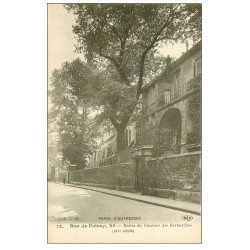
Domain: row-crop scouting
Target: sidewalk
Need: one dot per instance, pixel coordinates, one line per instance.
(183, 206)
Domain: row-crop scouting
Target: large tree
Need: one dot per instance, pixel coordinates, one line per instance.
(68, 113)
(123, 39)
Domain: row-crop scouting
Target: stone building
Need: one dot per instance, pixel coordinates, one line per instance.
(172, 107)
(107, 154)
(168, 161)
(162, 150)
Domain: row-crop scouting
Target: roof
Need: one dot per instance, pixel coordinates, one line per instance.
(174, 64)
(186, 54)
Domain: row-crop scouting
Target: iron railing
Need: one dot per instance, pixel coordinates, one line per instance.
(180, 90)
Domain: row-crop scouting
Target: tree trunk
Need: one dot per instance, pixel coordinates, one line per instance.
(120, 139)
(120, 128)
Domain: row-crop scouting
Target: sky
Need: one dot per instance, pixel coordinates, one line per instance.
(61, 39)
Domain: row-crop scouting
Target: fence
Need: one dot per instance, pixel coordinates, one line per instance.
(176, 177)
(180, 90)
(117, 176)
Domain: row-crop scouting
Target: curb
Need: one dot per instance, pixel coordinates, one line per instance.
(139, 200)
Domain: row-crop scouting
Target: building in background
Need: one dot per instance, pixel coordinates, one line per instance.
(162, 149)
(172, 107)
(107, 154)
(168, 161)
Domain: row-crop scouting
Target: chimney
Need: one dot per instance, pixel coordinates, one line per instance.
(187, 45)
(168, 65)
(168, 61)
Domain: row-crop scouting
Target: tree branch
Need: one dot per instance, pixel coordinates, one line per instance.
(117, 66)
(155, 39)
(113, 121)
(144, 55)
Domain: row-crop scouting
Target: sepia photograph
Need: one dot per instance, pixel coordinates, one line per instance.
(124, 123)
(110, 139)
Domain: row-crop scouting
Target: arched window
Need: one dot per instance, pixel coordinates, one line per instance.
(170, 132)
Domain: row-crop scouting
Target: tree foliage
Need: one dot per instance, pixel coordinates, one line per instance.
(123, 40)
(68, 114)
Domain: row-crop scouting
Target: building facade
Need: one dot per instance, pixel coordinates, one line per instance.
(162, 150)
(107, 154)
(168, 159)
(172, 107)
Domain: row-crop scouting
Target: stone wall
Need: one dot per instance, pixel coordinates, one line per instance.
(177, 177)
(174, 177)
(118, 176)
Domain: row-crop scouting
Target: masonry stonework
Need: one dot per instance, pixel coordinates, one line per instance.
(118, 176)
(176, 177)
(166, 155)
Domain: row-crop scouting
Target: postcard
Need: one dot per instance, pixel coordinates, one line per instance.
(124, 122)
